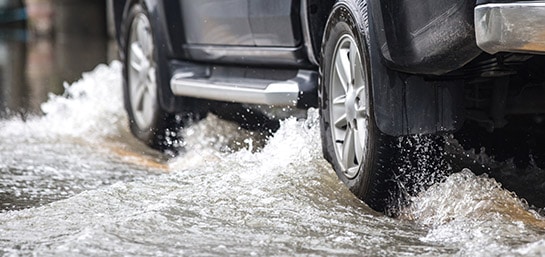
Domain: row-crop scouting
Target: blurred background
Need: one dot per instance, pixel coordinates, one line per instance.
(44, 43)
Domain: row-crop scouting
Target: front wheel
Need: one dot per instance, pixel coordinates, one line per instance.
(359, 153)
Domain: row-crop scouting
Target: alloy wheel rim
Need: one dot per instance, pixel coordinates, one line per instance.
(141, 72)
(349, 105)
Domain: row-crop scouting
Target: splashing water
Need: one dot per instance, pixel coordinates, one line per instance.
(473, 213)
(69, 148)
(84, 111)
(77, 183)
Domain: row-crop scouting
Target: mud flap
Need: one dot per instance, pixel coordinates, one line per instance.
(408, 104)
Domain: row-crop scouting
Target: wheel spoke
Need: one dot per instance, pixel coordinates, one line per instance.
(144, 36)
(137, 57)
(139, 95)
(361, 104)
(151, 75)
(353, 58)
(352, 171)
(361, 111)
(341, 122)
(359, 77)
(340, 100)
(147, 111)
(359, 141)
(348, 154)
(342, 67)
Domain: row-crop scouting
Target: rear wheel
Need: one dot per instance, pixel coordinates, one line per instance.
(360, 154)
(144, 74)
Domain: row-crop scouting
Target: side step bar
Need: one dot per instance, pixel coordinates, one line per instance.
(245, 90)
(511, 27)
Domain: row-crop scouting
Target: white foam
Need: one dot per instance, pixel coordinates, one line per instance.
(90, 108)
(280, 199)
(475, 215)
(294, 143)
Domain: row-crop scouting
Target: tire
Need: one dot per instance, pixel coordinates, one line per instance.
(382, 170)
(360, 154)
(144, 74)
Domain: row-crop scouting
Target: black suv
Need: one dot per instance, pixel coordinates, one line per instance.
(376, 69)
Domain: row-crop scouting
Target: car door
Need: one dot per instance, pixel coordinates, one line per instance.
(260, 32)
(242, 22)
(217, 22)
(275, 23)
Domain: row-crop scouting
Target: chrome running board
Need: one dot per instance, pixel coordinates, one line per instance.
(511, 27)
(244, 90)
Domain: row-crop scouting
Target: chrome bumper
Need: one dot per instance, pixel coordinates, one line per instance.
(511, 27)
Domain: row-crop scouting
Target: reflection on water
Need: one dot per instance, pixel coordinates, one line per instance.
(13, 55)
(32, 67)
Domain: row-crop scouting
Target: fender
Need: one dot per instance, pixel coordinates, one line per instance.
(404, 103)
(432, 37)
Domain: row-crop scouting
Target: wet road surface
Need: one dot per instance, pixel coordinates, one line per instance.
(74, 182)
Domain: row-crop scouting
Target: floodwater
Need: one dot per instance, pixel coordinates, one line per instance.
(74, 182)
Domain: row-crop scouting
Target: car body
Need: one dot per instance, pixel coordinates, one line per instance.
(411, 68)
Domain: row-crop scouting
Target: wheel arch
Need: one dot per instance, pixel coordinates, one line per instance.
(406, 103)
(317, 12)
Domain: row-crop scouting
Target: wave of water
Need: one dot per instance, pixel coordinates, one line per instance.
(104, 193)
